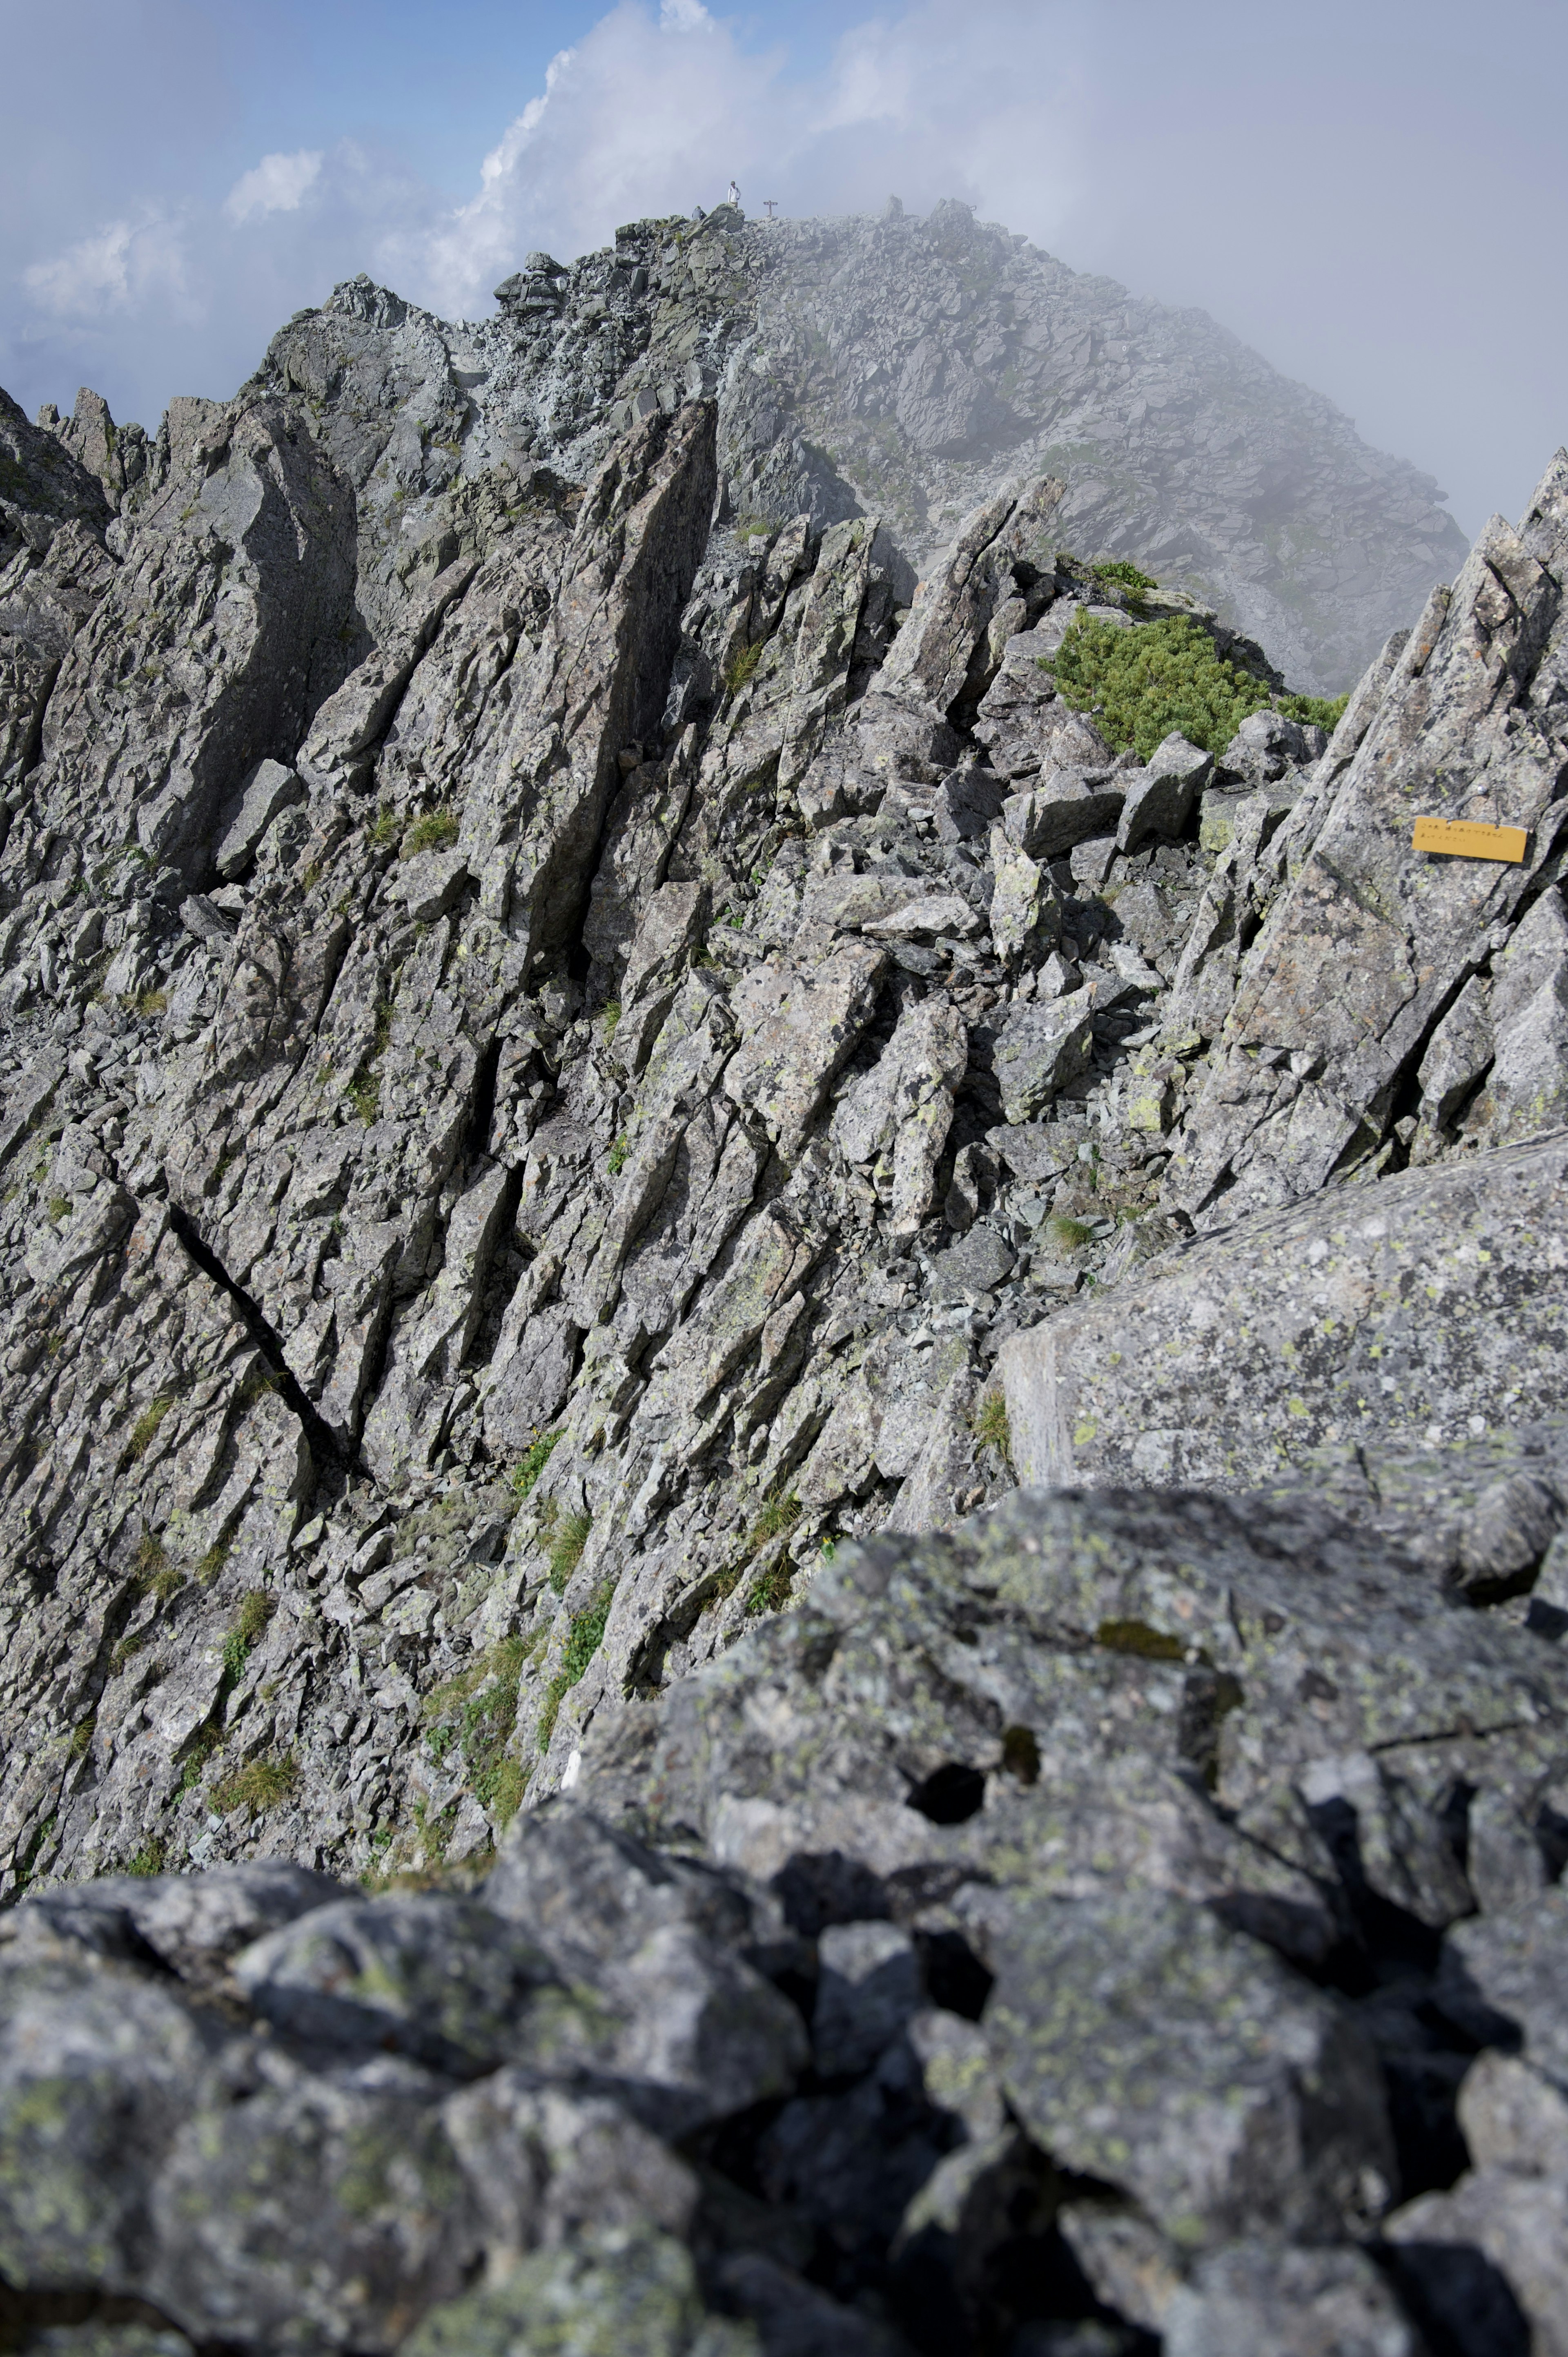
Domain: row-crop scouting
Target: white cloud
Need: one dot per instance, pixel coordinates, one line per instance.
(124, 266)
(653, 114)
(279, 184)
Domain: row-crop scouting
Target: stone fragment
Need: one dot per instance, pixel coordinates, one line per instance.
(1508, 1973)
(1160, 797)
(1483, 2262)
(929, 917)
(1143, 2044)
(1129, 2263)
(547, 2166)
(1024, 910)
(1091, 862)
(1265, 746)
(430, 884)
(896, 1116)
(1294, 2303)
(1042, 1046)
(978, 1263)
(97, 2065)
(318, 2212)
(798, 1027)
(205, 922)
(695, 2032)
(270, 788)
(196, 1922)
(966, 805)
(1065, 808)
(1526, 1089)
(1459, 1052)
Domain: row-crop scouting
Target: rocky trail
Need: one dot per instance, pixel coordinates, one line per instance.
(784, 1500)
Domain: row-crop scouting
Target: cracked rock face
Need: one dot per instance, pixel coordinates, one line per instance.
(589, 1078)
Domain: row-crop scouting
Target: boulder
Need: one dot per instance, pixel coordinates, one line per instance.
(1043, 1045)
(1420, 1308)
(1066, 807)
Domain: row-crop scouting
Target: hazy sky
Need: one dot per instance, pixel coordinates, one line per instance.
(1375, 196)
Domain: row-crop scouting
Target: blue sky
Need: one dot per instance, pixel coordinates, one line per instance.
(1375, 196)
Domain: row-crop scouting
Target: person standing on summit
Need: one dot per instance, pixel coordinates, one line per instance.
(734, 197)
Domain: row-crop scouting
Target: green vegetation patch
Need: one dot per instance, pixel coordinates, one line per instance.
(583, 1641)
(1315, 711)
(567, 1548)
(144, 1431)
(1141, 683)
(260, 1784)
(535, 1458)
(256, 1609)
(990, 1427)
(436, 830)
(779, 1515)
(742, 666)
(769, 1591)
(1136, 1637)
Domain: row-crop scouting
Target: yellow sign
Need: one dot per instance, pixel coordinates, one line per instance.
(1470, 838)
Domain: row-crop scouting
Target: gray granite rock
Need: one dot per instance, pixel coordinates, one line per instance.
(1309, 1328)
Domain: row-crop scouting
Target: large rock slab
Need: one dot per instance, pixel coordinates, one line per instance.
(1426, 1307)
(1369, 939)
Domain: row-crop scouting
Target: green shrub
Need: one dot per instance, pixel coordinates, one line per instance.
(769, 1591)
(256, 1609)
(1315, 711)
(583, 1640)
(567, 1548)
(535, 1458)
(436, 830)
(617, 1156)
(150, 1858)
(1141, 683)
(213, 1561)
(144, 1431)
(386, 828)
(612, 1016)
(260, 1785)
(777, 1516)
(1124, 574)
(488, 1719)
(197, 1752)
(991, 1427)
(156, 1575)
(365, 1096)
(60, 1207)
(1068, 1235)
(742, 666)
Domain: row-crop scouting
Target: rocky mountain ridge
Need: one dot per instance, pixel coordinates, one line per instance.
(590, 1081)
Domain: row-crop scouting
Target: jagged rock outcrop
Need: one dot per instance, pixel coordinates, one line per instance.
(902, 368)
(580, 1068)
